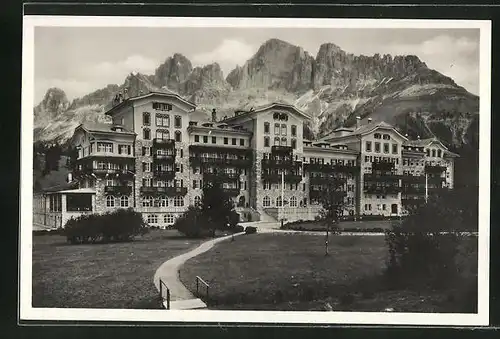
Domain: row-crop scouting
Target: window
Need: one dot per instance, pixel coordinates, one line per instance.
(124, 201)
(439, 153)
(294, 143)
(266, 141)
(105, 147)
(386, 147)
(294, 130)
(293, 201)
(277, 129)
(387, 137)
(178, 201)
(377, 147)
(279, 202)
(163, 201)
(428, 152)
(283, 141)
(368, 146)
(266, 202)
(146, 119)
(394, 148)
(283, 129)
(110, 201)
(433, 153)
(177, 121)
(242, 142)
(124, 149)
(205, 139)
(383, 207)
(225, 140)
(197, 200)
(146, 134)
(196, 138)
(233, 141)
(147, 201)
(214, 140)
(160, 106)
(152, 219)
(377, 136)
(276, 141)
(168, 219)
(178, 136)
(162, 134)
(162, 120)
(146, 167)
(266, 127)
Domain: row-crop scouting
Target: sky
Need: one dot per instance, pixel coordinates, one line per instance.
(80, 60)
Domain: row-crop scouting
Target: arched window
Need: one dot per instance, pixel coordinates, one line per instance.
(283, 141)
(177, 121)
(276, 116)
(178, 136)
(266, 202)
(162, 134)
(146, 134)
(163, 201)
(147, 201)
(110, 201)
(276, 141)
(146, 119)
(241, 201)
(168, 219)
(197, 200)
(377, 136)
(266, 127)
(124, 201)
(178, 201)
(266, 142)
(293, 201)
(283, 129)
(279, 202)
(277, 129)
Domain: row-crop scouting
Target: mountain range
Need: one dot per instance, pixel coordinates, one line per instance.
(333, 87)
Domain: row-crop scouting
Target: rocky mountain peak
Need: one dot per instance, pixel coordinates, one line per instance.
(174, 71)
(53, 104)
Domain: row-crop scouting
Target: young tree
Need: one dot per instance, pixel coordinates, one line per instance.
(332, 199)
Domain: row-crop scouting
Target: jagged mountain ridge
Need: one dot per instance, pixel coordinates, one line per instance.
(333, 87)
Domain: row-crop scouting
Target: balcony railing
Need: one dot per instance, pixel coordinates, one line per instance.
(118, 189)
(413, 189)
(163, 143)
(321, 180)
(282, 149)
(280, 163)
(327, 168)
(168, 191)
(239, 163)
(434, 169)
(383, 166)
(164, 174)
(413, 178)
(381, 189)
(207, 148)
(120, 173)
(276, 178)
(381, 177)
(164, 158)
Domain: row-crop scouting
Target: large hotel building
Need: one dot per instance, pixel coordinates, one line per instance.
(159, 151)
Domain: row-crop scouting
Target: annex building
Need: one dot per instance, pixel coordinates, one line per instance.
(159, 151)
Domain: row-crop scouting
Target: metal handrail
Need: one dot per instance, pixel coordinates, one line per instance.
(198, 280)
(168, 293)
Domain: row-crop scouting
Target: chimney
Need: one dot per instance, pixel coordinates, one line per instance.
(125, 96)
(214, 115)
(358, 119)
(70, 177)
(141, 92)
(370, 120)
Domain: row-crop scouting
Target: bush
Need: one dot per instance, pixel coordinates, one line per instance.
(192, 223)
(237, 229)
(250, 230)
(120, 225)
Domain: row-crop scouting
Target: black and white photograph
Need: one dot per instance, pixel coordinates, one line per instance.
(323, 171)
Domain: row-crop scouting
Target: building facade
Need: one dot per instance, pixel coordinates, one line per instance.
(159, 152)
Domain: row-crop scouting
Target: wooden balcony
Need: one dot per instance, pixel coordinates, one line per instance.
(382, 166)
(413, 179)
(225, 177)
(223, 162)
(435, 169)
(407, 189)
(276, 178)
(222, 150)
(118, 190)
(280, 163)
(167, 191)
(165, 175)
(163, 143)
(164, 158)
(374, 189)
(116, 173)
(120, 166)
(323, 180)
(330, 168)
(282, 150)
(386, 177)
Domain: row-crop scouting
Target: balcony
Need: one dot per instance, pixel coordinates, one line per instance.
(222, 150)
(118, 190)
(122, 166)
(281, 149)
(200, 161)
(280, 163)
(327, 168)
(413, 179)
(276, 178)
(164, 174)
(382, 166)
(384, 177)
(120, 173)
(407, 189)
(163, 143)
(322, 180)
(164, 158)
(435, 169)
(223, 176)
(168, 191)
(232, 192)
(374, 189)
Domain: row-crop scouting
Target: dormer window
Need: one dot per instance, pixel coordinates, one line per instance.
(387, 137)
(377, 136)
(160, 106)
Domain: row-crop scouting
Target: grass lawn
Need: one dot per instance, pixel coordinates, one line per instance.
(291, 272)
(118, 275)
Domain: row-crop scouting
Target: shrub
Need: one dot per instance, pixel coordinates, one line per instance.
(120, 225)
(237, 229)
(192, 223)
(250, 230)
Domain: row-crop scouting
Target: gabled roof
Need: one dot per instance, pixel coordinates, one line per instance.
(168, 94)
(423, 142)
(103, 128)
(364, 129)
(257, 109)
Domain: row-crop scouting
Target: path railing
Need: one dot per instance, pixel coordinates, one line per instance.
(164, 287)
(200, 283)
